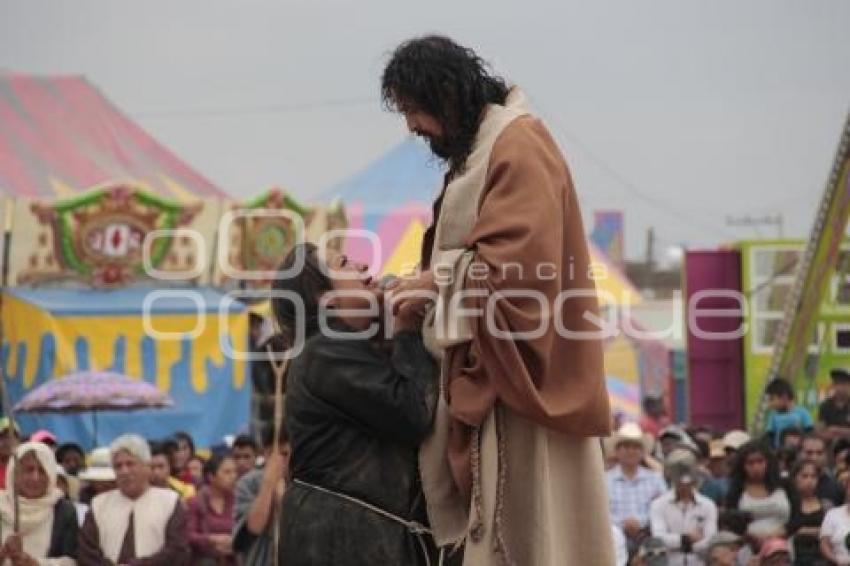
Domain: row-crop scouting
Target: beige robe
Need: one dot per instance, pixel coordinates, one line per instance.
(533, 408)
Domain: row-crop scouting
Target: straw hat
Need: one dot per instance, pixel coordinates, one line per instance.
(628, 432)
(734, 439)
(100, 466)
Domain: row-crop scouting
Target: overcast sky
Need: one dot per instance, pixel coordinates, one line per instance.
(678, 112)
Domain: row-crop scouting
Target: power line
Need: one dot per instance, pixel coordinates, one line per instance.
(660, 205)
(259, 109)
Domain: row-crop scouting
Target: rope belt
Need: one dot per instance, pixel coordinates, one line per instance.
(415, 528)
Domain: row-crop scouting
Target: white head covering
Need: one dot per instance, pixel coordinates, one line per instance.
(33, 512)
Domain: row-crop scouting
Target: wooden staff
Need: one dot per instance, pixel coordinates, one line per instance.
(279, 369)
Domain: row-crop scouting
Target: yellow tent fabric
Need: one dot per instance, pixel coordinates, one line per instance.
(404, 258)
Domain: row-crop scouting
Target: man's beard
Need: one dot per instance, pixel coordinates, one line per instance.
(440, 146)
(451, 148)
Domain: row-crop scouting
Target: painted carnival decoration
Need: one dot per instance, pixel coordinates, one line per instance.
(263, 230)
(99, 237)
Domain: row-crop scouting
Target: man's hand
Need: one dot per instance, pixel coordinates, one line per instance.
(632, 527)
(13, 546)
(13, 549)
(411, 296)
(696, 535)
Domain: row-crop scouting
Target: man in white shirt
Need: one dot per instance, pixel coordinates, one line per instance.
(683, 518)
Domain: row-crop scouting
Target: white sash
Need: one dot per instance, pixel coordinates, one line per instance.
(445, 325)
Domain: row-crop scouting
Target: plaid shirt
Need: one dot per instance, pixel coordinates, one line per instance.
(631, 498)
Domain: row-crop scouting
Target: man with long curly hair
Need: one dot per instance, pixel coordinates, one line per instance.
(513, 470)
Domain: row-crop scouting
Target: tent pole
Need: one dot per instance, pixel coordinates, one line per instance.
(7, 410)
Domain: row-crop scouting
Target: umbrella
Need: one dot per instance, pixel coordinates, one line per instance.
(93, 391)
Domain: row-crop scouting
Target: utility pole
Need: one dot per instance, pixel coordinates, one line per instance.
(649, 264)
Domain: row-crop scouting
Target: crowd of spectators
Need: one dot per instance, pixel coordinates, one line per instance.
(694, 496)
(137, 502)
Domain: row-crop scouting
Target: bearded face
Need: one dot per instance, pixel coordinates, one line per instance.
(444, 146)
(443, 89)
(444, 142)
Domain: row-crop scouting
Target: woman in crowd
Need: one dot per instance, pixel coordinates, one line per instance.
(807, 514)
(210, 514)
(755, 488)
(357, 409)
(184, 450)
(47, 522)
(196, 470)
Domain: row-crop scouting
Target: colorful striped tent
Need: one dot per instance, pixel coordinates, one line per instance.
(391, 199)
(60, 136)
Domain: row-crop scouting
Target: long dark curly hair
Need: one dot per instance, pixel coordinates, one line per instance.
(738, 475)
(448, 82)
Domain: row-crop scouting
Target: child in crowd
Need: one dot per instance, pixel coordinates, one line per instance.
(785, 413)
